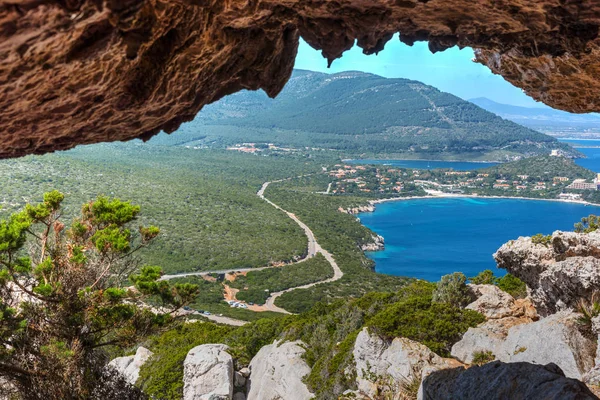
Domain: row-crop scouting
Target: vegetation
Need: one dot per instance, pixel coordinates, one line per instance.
(540, 167)
(63, 299)
(204, 200)
(483, 357)
(452, 289)
(366, 115)
(329, 331)
(507, 283)
(256, 285)
(341, 234)
(436, 325)
(541, 239)
(588, 224)
(589, 309)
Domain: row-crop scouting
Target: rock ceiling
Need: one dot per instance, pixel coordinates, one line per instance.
(87, 71)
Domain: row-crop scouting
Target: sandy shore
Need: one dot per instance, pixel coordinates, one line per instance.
(439, 195)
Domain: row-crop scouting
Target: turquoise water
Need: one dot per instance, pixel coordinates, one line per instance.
(423, 164)
(429, 238)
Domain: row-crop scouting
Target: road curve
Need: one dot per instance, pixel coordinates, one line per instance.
(313, 249)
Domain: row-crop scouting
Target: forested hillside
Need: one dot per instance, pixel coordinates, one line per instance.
(364, 114)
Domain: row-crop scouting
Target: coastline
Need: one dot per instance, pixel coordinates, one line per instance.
(475, 196)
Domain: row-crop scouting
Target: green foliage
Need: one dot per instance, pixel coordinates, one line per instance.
(588, 224)
(507, 283)
(350, 116)
(483, 278)
(161, 377)
(257, 285)
(417, 317)
(513, 286)
(483, 357)
(541, 239)
(75, 302)
(452, 289)
(589, 309)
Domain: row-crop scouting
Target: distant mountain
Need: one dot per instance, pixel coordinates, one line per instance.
(364, 114)
(539, 117)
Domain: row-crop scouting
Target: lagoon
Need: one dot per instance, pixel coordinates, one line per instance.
(428, 238)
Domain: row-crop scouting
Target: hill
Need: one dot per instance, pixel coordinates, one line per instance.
(544, 119)
(540, 167)
(364, 114)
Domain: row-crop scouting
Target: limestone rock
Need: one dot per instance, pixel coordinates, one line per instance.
(238, 379)
(555, 339)
(497, 380)
(130, 366)
(85, 71)
(239, 396)
(384, 366)
(277, 371)
(557, 275)
(208, 373)
(492, 302)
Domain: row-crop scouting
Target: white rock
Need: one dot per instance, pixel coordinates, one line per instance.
(491, 301)
(208, 373)
(238, 379)
(277, 372)
(130, 366)
(555, 339)
(383, 366)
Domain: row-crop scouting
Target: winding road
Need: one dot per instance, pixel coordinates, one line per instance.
(313, 249)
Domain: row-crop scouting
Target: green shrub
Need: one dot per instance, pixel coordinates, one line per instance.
(161, 376)
(436, 325)
(483, 357)
(588, 224)
(541, 239)
(513, 286)
(483, 278)
(589, 310)
(452, 289)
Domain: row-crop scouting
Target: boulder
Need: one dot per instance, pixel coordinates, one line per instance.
(130, 366)
(384, 366)
(208, 373)
(559, 274)
(277, 371)
(492, 302)
(555, 339)
(497, 380)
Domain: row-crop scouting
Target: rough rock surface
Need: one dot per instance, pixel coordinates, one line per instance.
(559, 274)
(492, 302)
(383, 366)
(555, 339)
(277, 371)
(208, 373)
(496, 380)
(130, 366)
(86, 71)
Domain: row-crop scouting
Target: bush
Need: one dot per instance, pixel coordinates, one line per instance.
(452, 289)
(483, 357)
(588, 224)
(513, 286)
(541, 239)
(436, 325)
(483, 278)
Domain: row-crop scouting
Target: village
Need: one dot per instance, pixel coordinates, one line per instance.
(386, 181)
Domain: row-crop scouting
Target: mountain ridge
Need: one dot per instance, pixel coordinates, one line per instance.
(363, 114)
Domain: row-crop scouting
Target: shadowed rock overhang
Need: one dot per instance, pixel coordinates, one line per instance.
(75, 71)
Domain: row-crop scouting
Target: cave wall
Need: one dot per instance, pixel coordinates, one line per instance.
(87, 71)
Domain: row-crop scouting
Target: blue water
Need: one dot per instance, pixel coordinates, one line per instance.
(423, 164)
(428, 238)
(581, 142)
(592, 161)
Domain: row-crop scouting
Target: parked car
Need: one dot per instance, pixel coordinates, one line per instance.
(206, 313)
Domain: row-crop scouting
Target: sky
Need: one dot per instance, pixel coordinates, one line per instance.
(451, 71)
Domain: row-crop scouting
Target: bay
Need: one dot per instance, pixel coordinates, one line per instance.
(428, 238)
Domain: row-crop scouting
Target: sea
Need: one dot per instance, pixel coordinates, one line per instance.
(429, 238)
